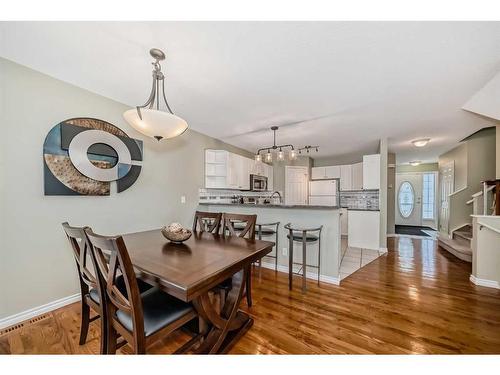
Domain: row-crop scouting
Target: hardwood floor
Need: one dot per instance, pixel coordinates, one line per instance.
(416, 299)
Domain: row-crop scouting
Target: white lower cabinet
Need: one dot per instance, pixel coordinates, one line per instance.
(363, 229)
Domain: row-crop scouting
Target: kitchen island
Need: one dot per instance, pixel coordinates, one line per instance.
(300, 216)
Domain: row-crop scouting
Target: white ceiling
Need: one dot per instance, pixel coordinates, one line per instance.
(401, 80)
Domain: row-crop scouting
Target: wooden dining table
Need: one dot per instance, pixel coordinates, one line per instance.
(191, 270)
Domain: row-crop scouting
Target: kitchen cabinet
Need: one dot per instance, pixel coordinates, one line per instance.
(226, 170)
(323, 173)
(345, 177)
(357, 176)
(371, 171)
(363, 229)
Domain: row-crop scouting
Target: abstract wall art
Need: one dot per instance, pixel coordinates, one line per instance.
(84, 156)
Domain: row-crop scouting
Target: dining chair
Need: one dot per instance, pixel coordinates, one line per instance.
(207, 221)
(141, 319)
(246, 229)
(90, 288)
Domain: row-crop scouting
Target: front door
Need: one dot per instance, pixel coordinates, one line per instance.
(296, 181)
(409, 199)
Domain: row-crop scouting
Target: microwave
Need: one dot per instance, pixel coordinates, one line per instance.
(258, 183)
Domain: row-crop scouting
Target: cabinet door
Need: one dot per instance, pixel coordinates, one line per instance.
(233, 171)
(343, 221)
(371, 171)
(332, 171)
(318, 173)
(357, 176)
(345, 177)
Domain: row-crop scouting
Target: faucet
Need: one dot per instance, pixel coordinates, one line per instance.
(279, 196)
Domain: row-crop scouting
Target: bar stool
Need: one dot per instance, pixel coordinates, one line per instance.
(265, 230)
(304, 235)
(269, 230)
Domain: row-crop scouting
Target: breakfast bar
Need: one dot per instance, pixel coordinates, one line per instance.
(307, 216)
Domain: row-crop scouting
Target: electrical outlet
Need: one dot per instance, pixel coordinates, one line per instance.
(284, 251)
(183, 199)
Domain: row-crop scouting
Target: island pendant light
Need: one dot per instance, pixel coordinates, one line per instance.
(150, 118)
(279, 149)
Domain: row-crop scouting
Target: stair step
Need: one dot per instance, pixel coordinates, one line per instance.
(458, 247)
(466, 235)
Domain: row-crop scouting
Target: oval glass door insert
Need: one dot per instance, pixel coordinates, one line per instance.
(406, 199)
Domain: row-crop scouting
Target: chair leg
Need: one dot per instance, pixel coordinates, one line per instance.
(304, 261)
(104, 333)
(84, 328)
(248, 287)
(111, 338)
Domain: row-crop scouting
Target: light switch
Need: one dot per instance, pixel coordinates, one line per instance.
(183, 199)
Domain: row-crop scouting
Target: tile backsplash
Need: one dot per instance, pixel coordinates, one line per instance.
(226, 196)
(363, 199)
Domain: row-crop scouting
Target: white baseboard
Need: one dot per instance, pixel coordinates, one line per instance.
(309, 275)
(36, 311)
(484, 282)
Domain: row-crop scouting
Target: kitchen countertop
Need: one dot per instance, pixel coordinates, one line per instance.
(302, 206)
(361, 209)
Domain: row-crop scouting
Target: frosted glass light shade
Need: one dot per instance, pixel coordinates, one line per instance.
(154, 123)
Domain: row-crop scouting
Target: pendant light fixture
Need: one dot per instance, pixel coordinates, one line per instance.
(153, 118)
(280, 150)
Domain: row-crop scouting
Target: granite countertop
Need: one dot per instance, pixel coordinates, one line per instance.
(302, 206)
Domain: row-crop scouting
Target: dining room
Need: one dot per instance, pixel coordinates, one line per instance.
(170, 188)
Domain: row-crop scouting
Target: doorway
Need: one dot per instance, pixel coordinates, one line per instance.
(296, 185)
(416, 200)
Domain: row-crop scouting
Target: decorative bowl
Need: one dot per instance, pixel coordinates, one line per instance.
(176, 233)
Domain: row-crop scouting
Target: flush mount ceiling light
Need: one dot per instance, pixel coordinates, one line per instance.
(415, 163)
(420, 142)
(153, 118)
(280, 150)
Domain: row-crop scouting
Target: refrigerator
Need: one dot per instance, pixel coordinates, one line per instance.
(324, 192)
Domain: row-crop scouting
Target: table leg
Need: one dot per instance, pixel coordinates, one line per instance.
(227, 327)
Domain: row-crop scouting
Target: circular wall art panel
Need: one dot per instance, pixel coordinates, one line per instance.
(83, 156)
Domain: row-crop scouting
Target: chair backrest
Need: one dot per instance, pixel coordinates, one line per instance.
(82, 253)
(113, 260)
(248, 230)
(207, 221)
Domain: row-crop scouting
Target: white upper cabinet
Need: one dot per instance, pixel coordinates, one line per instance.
(346, 177)
(332, 171)
(371, 171)
(226, 170)
(318, 173)
(357, 176)
(323, 173)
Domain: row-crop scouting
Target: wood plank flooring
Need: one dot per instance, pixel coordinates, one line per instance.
(416, 299)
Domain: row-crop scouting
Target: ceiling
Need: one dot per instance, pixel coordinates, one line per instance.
(357, 81)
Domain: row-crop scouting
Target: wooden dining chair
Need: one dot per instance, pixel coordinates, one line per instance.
(90, 288)
(140, 319)
(207, 221)
(246, 229)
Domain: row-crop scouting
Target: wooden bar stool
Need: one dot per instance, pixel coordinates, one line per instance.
(305, 236)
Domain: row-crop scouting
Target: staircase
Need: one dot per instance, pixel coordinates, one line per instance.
(460, 243)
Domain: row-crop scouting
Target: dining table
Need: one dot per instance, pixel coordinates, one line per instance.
(191, 270)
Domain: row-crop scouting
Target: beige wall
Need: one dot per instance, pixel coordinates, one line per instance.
(474, 162)
(37, 266)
